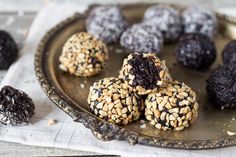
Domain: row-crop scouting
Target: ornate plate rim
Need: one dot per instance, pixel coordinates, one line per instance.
(104, 130)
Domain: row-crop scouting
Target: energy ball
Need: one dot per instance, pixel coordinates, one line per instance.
(229, 53)
(16, 107)
(167, 19)
(221, 86)
(173, 107)
(142, 38)
(195, 51)
(144, 72)
(111, 99)
(8, 50)
(83, 55)
(106, 23)
(199, 20)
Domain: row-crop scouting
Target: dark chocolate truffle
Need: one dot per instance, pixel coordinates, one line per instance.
(16, 107)
(221, 86)
(199, 20)
(144, 72)
(195, 51)
(106, 23)
(166, 18)
(229, 53)
(8, 50)
(142, 38)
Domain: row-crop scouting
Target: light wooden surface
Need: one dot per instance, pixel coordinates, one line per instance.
(14, 19)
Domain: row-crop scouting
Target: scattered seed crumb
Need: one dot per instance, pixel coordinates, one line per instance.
(142, 121)
(51, 122)
(143, 126)
(231, 133)
(233, 119)
(82, 85)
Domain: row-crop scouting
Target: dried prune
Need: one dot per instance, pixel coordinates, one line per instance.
(8, 50)
(16, 107)
(221, 86)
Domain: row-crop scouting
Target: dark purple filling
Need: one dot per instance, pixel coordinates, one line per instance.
(145, 71)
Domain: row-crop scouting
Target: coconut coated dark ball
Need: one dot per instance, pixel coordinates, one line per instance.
(8, 50)
(195, 51)
(16, 107)
(106, 23)
(221, 86)
(199, 20)
(229, 52)
(166, 18)
(142, 38)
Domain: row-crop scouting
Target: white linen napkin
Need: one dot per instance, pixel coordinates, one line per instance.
(66, 133)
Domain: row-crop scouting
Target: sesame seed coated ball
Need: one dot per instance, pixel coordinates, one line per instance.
(144, 72)
(142, 38)
(221, 86)
(167, 19)
(173, 107)
(106, 23)
(111, 99)
(199, 20)
(83, 55)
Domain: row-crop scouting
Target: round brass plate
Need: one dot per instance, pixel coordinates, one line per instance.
(208, 131)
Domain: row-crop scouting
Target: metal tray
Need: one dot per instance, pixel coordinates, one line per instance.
(208, 131)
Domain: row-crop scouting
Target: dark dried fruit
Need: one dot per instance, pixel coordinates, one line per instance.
(229, 52)
(221, 86)
(16, 107)
(8, 50)
(195, 51)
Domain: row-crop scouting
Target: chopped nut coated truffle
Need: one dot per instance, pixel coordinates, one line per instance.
(173, 107)
(144, 72)
(16, 107)
(106, 23)
(221, 86)
(83, 55)
(111, 99)
(166, 18)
